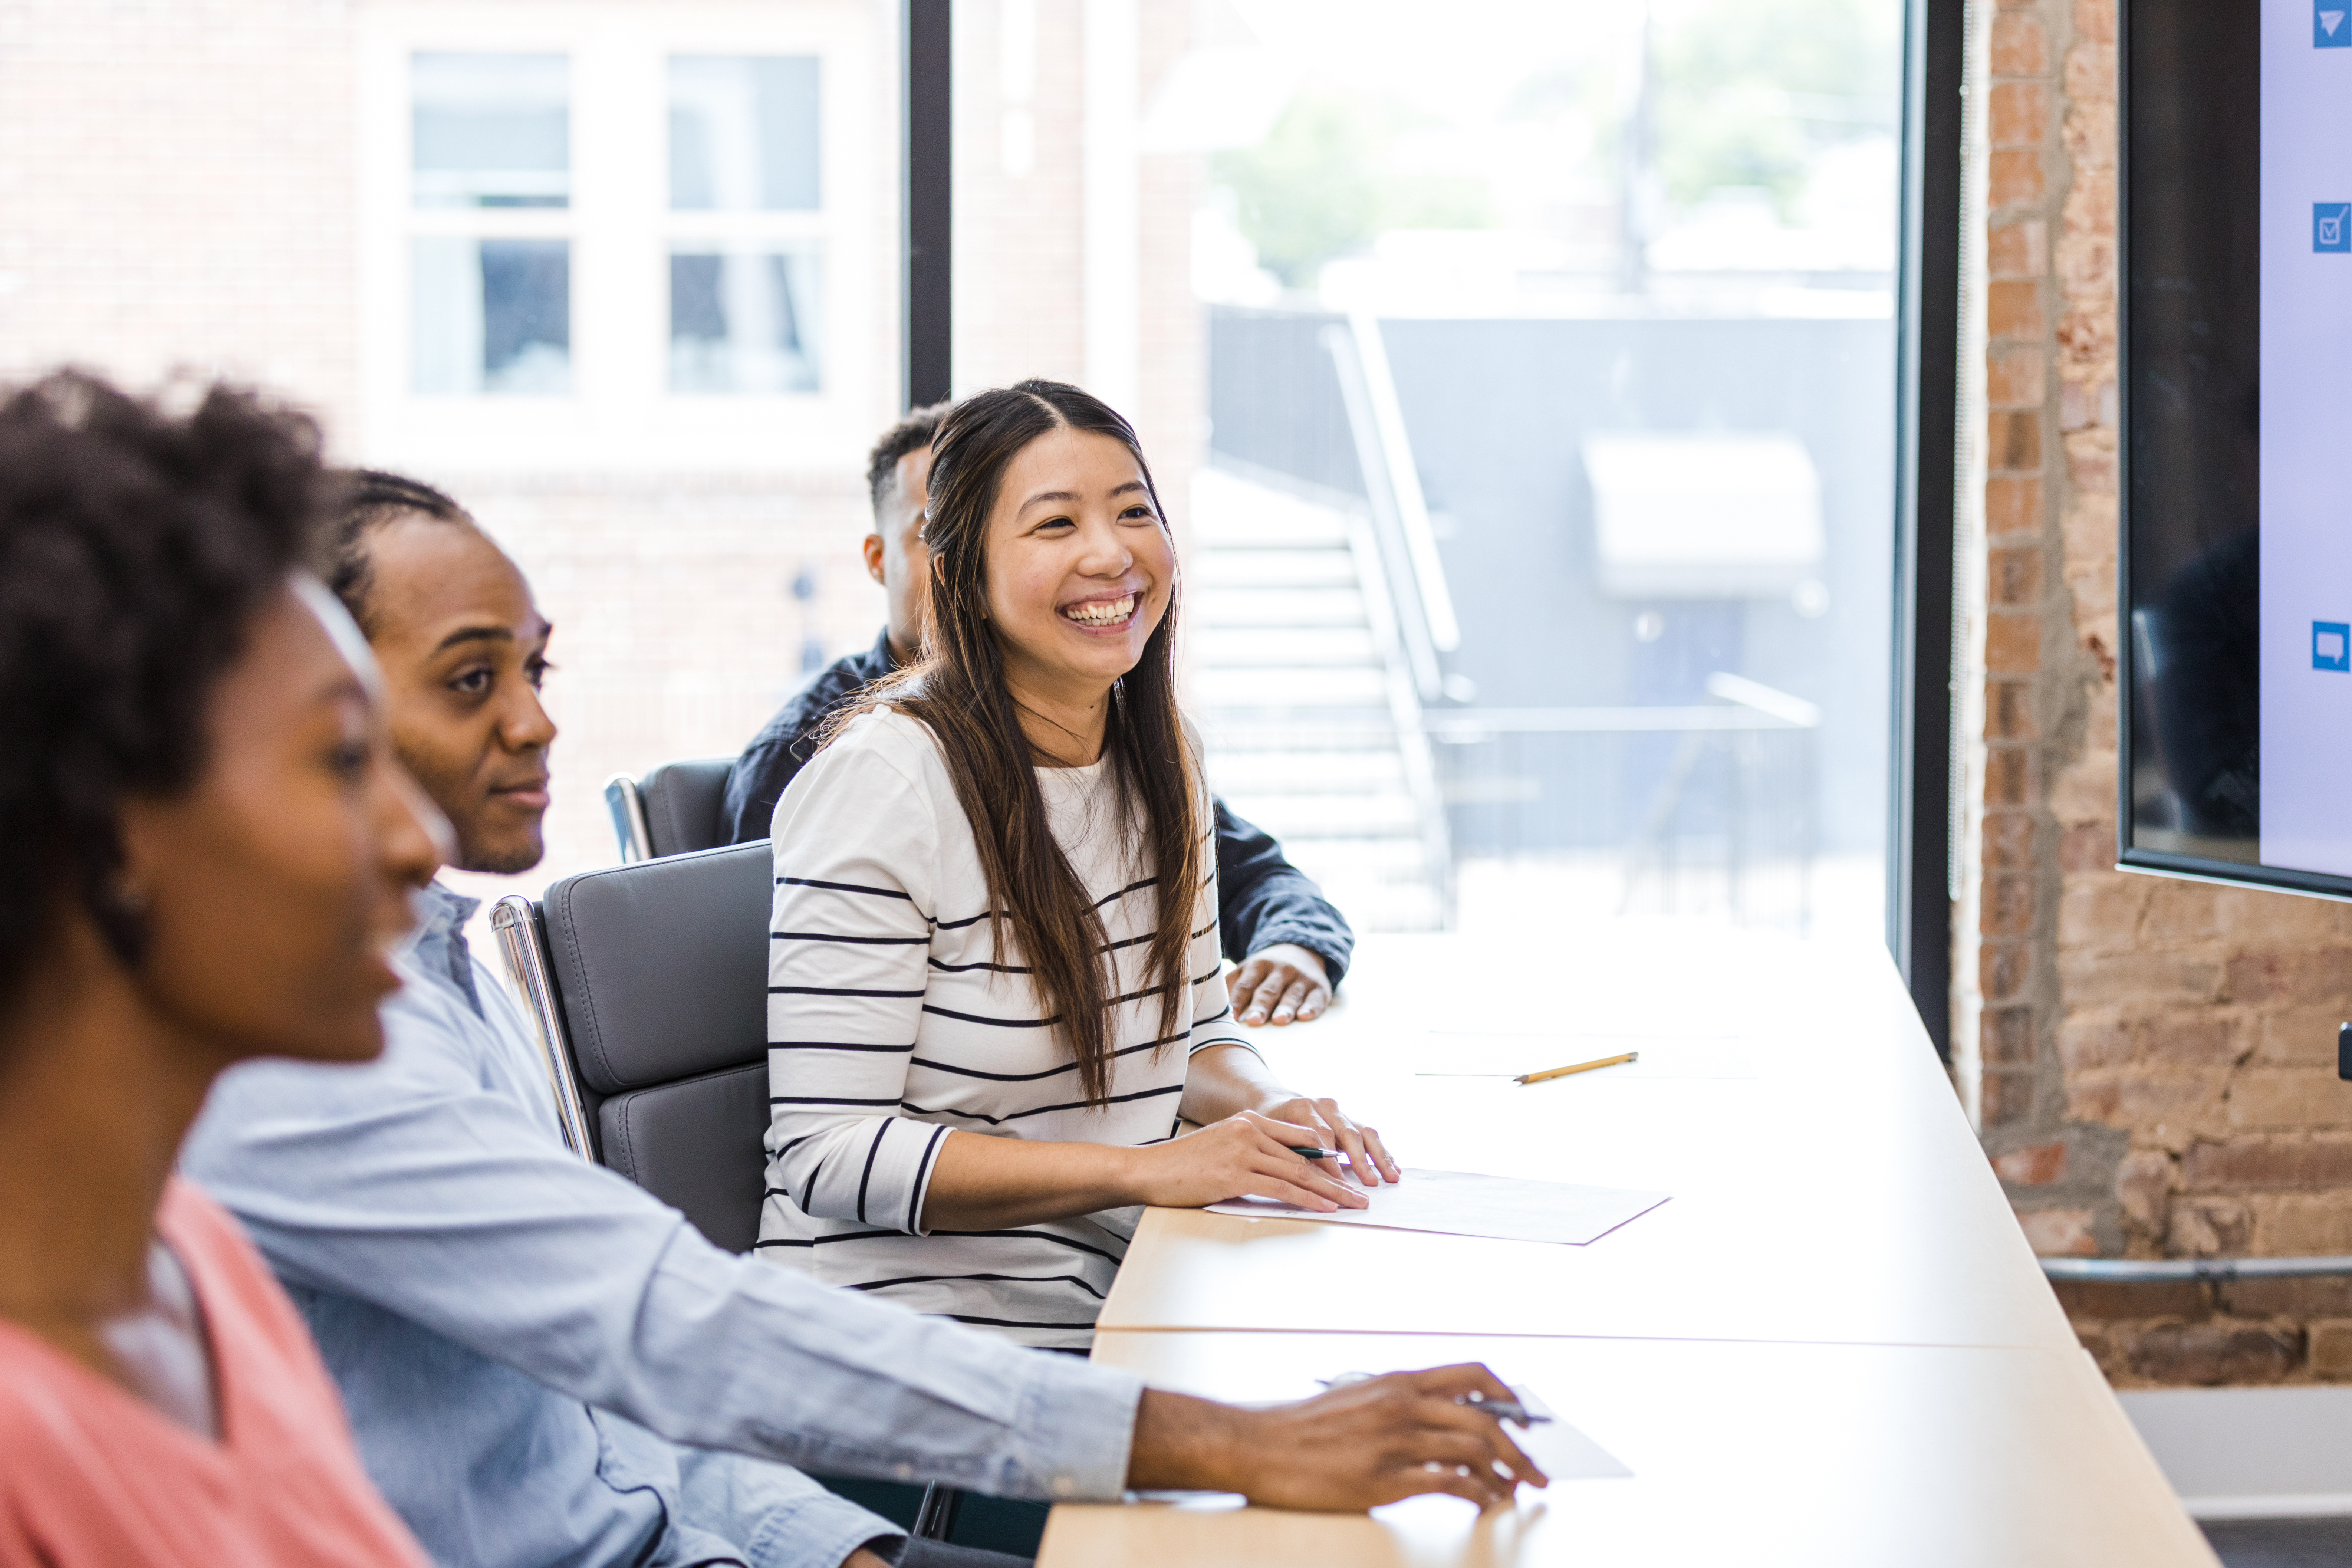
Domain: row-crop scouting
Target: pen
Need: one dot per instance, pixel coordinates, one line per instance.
(1527, 1077)
(1507, 1410)
(1527, 1410)
(1313, 1153)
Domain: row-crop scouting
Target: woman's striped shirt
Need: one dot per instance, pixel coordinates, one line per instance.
(890, 1023)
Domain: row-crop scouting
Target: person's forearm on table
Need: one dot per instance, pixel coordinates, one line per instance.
(396, 1200)
(981, 1183)
(1263, 900)
(1225, 1080)
(1228, 1079)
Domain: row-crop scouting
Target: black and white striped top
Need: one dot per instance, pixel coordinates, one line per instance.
(889, 1024)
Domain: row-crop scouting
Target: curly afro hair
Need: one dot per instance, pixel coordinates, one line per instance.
(136, 545)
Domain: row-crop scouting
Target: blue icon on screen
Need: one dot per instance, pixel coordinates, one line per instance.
(2331, 645)
(2331, 225)
(2328, 29)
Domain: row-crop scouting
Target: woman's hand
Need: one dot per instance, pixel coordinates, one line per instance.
(1368, 1157)
(1245, 1155)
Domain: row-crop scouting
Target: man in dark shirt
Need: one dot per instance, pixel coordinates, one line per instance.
(1291, 945)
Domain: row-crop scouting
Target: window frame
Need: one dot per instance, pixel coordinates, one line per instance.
(620, 413)
(1921, 842)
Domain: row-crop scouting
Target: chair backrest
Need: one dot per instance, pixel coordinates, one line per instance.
(654, 992)
(683, 801)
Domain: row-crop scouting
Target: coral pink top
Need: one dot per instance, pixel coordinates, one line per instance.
(91, 1476)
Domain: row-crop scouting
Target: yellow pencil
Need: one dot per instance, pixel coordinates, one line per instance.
(1580, 1066)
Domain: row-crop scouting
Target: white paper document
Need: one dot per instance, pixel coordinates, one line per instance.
(1457, 1203)
(1565, 1453)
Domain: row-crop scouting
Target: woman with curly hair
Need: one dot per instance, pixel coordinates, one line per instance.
(210, 852)
(995, 992)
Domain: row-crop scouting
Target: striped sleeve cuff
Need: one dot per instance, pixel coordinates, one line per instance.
(1204, 1042)
(878, 1178)
(921, 1189)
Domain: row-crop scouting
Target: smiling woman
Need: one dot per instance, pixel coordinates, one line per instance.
(995, 918)
(210, 853)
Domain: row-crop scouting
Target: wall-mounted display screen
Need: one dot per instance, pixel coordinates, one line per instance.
(2238, 427)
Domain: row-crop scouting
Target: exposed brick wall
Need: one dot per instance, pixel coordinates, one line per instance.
(175, 192)
(1020, 243)
(1020, 259)
(678, 629)
(2157, 1055)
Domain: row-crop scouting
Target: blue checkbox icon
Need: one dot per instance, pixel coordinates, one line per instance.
(2331, 225)
(2331, 645)
(2329, 29)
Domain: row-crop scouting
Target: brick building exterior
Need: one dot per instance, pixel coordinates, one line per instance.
(190, 187)
(176, 191)
(2157, 1055)
(1022, 273)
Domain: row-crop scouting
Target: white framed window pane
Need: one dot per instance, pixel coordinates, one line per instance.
(491, 131)
(744, 320)
(743, 133)
(491, 316)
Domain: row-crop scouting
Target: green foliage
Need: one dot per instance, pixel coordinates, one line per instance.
(1746, 90)
(1325, 183)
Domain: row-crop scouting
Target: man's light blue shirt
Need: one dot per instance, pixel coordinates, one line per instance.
(523, 1338)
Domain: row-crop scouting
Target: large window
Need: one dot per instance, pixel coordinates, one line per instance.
(632, 236)
(1522, 378)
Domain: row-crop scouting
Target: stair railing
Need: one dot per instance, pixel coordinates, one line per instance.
(1405, 594)
(1399, 511)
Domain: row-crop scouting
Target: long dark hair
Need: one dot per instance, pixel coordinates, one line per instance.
(958, 689)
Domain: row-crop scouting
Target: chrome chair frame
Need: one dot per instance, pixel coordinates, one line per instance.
(515, 920)
(627, 806)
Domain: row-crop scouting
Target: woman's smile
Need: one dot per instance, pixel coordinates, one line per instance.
(1104, 612)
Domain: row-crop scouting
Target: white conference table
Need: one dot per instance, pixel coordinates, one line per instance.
(1831, 1345)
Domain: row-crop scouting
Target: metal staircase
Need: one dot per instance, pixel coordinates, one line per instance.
(1301, 684)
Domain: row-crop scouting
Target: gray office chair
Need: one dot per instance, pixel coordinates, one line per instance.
(672, 810)
(649, 985)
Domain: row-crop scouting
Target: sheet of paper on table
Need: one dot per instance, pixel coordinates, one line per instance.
(1565, 1453)
(1458, 1203)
